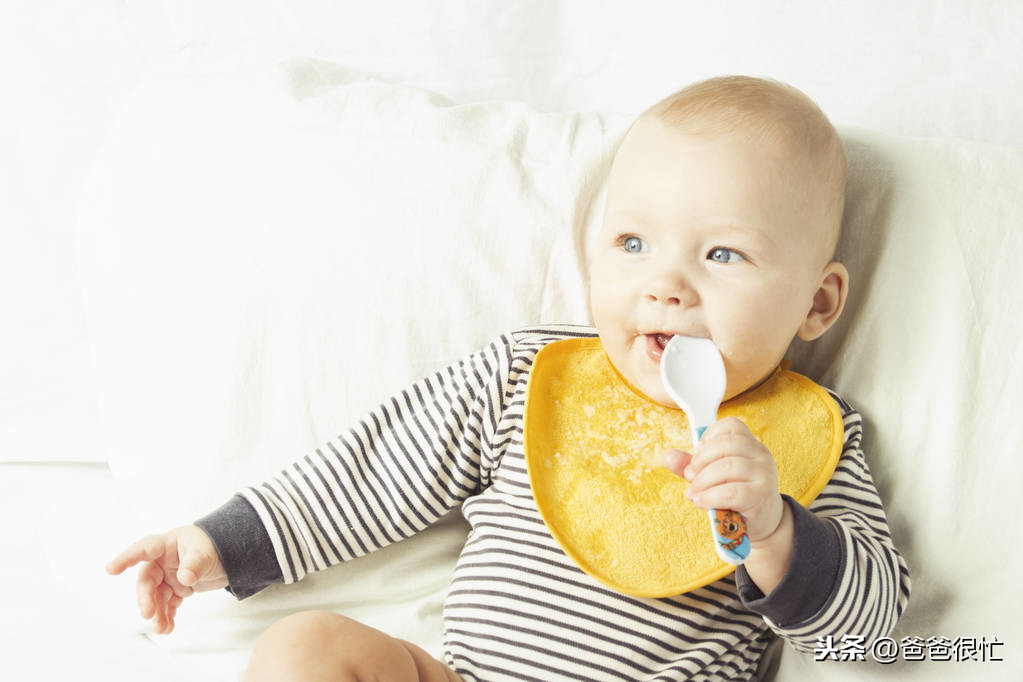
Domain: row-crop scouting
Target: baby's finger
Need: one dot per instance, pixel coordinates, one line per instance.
(171, 577)
(709, 454)
(729, 426)
(146, 549)
(157, 620)
(172, 611)
(191, 566)
(722, 470)
(149, 579)
(676, 461)
(162, 619)
(733, 495)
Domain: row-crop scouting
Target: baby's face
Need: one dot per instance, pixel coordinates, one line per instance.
(702, 236)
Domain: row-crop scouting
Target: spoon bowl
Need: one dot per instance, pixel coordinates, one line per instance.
(693, 374)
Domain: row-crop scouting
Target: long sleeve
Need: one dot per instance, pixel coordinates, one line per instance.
(845, 575)
(397, 471)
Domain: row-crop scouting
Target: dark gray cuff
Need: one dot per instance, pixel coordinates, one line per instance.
(245, 549)
(812, 576)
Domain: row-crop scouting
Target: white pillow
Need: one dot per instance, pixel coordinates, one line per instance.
(270, 254)
(267, 255)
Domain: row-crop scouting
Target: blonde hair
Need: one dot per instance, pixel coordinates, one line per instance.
(767, 110)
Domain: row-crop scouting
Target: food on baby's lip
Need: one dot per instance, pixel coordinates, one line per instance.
(593, 448)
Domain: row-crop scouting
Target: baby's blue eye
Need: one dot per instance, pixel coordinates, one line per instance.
(723, 255)
(633, 245)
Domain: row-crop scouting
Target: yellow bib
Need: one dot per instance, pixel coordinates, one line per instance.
(593, 449)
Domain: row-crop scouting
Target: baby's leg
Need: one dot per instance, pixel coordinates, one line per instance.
(315, 646)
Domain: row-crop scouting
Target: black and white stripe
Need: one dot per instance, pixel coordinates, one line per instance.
(518, 608)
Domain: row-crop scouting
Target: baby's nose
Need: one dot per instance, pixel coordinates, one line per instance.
(671, 290)
(667, 300)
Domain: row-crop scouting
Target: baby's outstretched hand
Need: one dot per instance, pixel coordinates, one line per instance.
(731, 469)
(175, 565)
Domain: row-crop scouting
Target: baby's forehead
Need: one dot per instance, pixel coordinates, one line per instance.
(792, 201)
(655, 148)
(763, 142)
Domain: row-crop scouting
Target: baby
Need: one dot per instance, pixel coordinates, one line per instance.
(723, 212)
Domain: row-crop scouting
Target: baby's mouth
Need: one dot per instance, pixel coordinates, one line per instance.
(655, 344)
(662, 339)
(657, 341)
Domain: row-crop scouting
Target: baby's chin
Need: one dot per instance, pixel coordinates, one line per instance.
(655, 392)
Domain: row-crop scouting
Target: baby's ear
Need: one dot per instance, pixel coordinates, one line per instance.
(828, 302)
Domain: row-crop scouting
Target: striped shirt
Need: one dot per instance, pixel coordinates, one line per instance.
(518, 607)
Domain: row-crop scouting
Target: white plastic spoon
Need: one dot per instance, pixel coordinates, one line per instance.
(693, 374)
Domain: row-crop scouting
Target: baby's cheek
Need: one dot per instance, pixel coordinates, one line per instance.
(740, 369)
(753, 349)
(601, 294)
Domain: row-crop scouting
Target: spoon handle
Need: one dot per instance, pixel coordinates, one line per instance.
(728, 527)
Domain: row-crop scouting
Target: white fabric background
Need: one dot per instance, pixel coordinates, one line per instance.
(915, 68)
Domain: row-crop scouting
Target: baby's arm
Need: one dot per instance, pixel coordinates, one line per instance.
(846, 575)
(175, 565)
(397, 471)
(835, 570)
